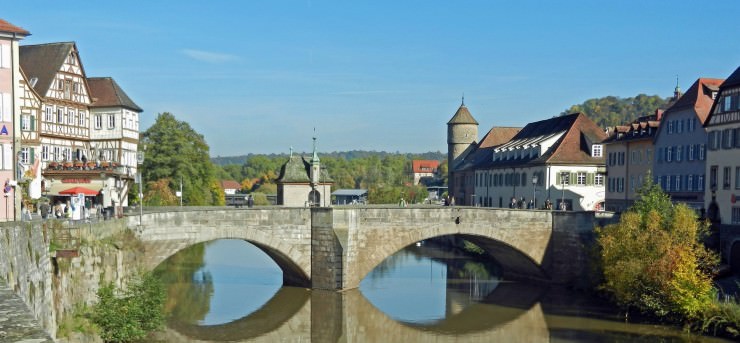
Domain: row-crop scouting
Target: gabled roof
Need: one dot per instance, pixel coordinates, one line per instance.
(230, 184)
(10, 28)
(105, 92)
(573, 147)
(295, 170)
(498, 135)
(698, 97)
(733, 80)
(417, 165)
(462, 116)
(43, 61)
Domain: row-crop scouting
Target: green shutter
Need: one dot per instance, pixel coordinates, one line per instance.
(590, 179)
(573, 179)
(33, 158)
(33, 123)
(557, 179)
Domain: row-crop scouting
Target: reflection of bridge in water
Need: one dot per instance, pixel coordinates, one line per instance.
(509, 314)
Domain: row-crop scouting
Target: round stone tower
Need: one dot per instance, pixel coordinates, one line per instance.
(462, 132)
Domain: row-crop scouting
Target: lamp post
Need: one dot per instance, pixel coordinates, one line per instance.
(140, 163)
(563, 175)
(534, 191)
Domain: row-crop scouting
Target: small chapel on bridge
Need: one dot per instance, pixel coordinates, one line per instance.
(304, 183)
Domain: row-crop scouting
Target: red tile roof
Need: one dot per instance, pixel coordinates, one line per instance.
(497, 136)
(8, 27)
(105, 92)
(230, 184)
(424, 166)
(698, 97)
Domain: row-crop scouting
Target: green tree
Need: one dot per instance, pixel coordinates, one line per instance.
(653, 259)
(611, 110)
(127, 315)
(176, 152)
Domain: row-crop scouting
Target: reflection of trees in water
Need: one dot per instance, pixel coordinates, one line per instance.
(189, 289)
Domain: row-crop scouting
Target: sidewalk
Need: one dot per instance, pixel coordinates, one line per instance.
(16, 322)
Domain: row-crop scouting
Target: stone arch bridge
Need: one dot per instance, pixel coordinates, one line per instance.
(334, 248)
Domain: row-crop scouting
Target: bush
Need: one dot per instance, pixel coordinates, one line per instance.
(129, 315)
(653, 258)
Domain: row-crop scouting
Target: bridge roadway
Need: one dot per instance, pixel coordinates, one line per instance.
(334, 248)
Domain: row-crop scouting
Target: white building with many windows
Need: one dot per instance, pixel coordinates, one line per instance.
(559, 161)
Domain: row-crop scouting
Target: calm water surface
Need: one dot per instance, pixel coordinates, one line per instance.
(229, 290)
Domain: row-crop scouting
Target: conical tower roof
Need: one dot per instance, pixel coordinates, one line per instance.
(462, 116)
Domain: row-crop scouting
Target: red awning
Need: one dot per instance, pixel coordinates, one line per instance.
(78, 190)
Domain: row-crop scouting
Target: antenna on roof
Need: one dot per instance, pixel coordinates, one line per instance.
(463, 99)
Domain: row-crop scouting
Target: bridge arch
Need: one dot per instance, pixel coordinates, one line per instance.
(518, 240)
(284, 235)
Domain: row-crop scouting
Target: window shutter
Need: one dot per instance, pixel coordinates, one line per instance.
(557, 179)
(33, 155)
(572, 180)
(590, 179)
(33, 123)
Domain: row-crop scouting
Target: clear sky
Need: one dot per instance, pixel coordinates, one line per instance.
(258, 76)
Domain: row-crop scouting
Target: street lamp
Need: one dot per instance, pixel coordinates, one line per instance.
(140, 163)
(563, 175)
(534, 191)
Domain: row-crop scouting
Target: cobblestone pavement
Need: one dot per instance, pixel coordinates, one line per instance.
(16, 322)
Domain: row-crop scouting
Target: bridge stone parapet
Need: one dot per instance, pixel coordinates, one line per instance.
(334, 248)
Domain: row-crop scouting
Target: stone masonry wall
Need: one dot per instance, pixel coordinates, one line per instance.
(52, 286)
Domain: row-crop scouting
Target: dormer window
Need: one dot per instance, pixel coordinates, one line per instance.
(597, 150)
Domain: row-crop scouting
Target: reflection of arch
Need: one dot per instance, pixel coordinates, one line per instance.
(515, 262)
(285, 304)
(293, 273)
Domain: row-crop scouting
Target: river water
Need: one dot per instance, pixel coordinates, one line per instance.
(230, 291)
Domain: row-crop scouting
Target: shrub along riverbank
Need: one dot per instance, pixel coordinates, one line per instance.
(653, 261)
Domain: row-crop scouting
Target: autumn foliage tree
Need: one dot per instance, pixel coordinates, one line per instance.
(653, 259)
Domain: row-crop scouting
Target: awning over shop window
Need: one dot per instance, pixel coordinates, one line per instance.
(68, 189)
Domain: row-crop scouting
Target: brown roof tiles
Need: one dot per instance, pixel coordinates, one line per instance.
(8, 27)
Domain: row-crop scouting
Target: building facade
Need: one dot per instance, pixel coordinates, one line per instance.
(680, 144)
(423, 170)
(629, 160)
(10, 115)
(85, 131)
(558, 161)
(723, 154)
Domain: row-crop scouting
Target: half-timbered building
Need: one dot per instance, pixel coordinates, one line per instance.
(85, 130)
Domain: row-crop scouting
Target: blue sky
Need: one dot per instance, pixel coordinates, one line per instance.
(258, 76)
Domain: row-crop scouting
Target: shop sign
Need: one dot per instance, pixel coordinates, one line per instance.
(76, 181)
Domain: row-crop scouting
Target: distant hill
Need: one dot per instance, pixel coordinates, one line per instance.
(346, 155)
(612, 110)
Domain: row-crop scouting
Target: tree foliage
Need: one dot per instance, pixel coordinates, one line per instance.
(130, 314)
(611, 110)
(653, 259)
(176, 152)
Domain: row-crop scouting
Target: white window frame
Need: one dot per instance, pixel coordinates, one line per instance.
(597, 150)
(98, 121)
(26, 122)
(599, 179)
(44, 152)
(111, 121)
(81, 118)
(48, 116)
(25, 155)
